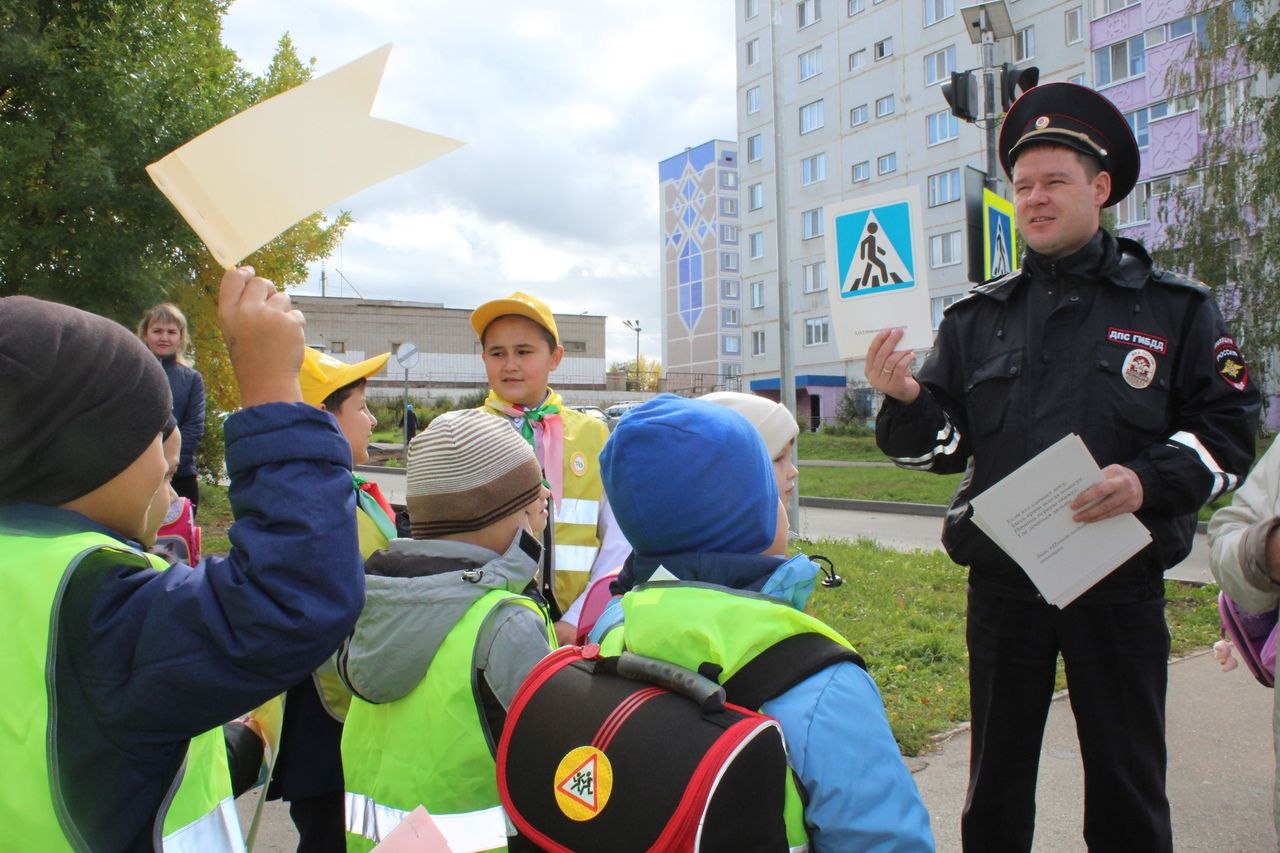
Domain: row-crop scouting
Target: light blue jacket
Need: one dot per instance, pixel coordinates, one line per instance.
(862, 798)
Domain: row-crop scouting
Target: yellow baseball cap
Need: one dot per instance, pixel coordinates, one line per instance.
(322, 374)
(520, 304)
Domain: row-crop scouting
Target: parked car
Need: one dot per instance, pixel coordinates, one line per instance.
(614, 413)
(593, 411)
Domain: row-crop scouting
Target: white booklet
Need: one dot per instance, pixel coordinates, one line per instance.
(1028, 514)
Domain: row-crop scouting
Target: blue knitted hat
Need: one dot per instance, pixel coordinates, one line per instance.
(687, 476)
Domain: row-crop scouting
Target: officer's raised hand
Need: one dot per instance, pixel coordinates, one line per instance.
(889, 369)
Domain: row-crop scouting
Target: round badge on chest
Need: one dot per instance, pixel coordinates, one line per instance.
(1139, 369)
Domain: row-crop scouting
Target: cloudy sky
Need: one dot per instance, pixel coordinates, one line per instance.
(566, 109)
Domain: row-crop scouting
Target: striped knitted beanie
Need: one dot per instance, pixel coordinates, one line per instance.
(466, 471)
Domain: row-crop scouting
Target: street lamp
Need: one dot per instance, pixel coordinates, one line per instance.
(634, 325)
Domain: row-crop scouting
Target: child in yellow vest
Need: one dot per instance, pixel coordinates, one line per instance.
(521, 347)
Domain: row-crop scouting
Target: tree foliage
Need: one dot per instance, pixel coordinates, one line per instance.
(1222, 218)
(90, 93)
(646, 379)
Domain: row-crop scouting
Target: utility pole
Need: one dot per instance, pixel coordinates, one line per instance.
(634, 325)
(786, 369)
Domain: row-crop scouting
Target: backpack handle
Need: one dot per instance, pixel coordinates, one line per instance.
(705, 693)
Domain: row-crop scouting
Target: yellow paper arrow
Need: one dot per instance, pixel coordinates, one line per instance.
(256, 174)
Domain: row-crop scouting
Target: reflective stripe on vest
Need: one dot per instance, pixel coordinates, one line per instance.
(429, 747)
(218, 830)
(578, 511)
(34, 572)
(726, 627)
(467, 832)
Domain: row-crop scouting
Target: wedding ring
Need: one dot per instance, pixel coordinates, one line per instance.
(886, 370)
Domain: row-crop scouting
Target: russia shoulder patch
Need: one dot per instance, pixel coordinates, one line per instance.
(1230, 364)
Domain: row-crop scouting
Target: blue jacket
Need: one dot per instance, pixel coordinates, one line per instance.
(157, 657)
(187, 386)
(861, 795)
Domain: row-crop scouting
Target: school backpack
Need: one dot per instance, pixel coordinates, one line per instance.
(630, 753)
(1254, 637)
(178, 539)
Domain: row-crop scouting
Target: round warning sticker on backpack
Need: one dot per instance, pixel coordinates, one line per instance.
(584, 780)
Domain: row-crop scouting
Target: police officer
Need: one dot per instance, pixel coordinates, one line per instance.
(1087, 338)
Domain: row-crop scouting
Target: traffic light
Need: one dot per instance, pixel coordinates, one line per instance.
(962, 94)
(1014, 81)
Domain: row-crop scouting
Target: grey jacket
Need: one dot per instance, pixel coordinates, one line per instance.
(1238, 554)
(416, 591)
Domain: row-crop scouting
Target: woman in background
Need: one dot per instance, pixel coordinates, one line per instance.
(163, 329)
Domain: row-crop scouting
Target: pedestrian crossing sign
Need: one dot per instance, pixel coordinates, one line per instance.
(999, 237)
(874, 249)
(874, 243)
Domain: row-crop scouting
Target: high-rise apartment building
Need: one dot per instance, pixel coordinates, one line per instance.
(701, 255)
(859, 109)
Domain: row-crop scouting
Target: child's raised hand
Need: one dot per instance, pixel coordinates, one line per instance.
(264, 336)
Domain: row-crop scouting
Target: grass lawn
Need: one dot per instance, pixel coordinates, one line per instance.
(903, 612)
(850, 448)
(878, 484)
(905, 615)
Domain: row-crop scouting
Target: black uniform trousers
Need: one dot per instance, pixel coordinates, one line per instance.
(1116, 661)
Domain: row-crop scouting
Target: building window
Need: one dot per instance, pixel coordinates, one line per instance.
(939, 65)
(884, 106)
(856, 6)
(862, 171)
(755, 196)
(1139, 121)
(1024, 44)
(1136, 207)
(575, 346)
(757, 343)
(729, 179)
(1181, 28)
(728, 207)
(817, 330)
(338, 347)
(858, 115)
(887, 163)
(815, 276)
(753, 100)
(944, 249)
(942, 126)
(882, 49)
(731, 370)
(944, 187)
(732, 344)
(813, 169)
(857, 59)
(757, 294)
(938, 10)
(1073, 25)
(751, 8)
(753, 51)
(729, 261)
(811, 117)
(938, 303)
(757, 245)
(1078, 79)
(729, 288)
(754, 145)
(1119, 61)
(808, 12)
(729, 234)
(811, 224)
(1106, 7)
(811, 63)
(729, 317)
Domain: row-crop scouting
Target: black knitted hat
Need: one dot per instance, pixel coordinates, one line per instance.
(81, 398)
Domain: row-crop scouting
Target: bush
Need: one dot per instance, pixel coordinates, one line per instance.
(855, 429)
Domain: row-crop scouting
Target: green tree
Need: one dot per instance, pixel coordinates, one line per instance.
(90, 93)
(646, 379)
(1220, 217)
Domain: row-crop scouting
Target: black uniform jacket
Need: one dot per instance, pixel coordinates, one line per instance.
(1136, 361)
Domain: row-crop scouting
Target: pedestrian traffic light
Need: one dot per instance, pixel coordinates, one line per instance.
(962, 94)
(1014, 81)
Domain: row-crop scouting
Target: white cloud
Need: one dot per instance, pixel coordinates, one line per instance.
(566, 109)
